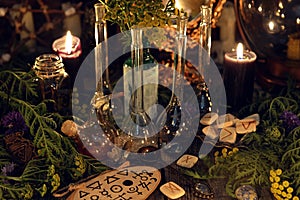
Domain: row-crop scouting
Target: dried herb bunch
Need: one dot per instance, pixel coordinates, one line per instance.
(141, 14)
(131, 14)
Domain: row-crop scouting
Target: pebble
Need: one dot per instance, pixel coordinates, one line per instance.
(255, 117)
(228, 135)
(246, 125)
(172, 190)
(226, 120)
(211, 131)
(209, 118)
(187, 161)
(246, 192)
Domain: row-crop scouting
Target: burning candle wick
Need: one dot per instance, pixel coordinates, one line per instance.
(240, 51)
(69, 43)
(68, 46)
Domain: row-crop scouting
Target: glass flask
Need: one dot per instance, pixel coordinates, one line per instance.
(173, 109)
(101, 111)
(138, 125)
(204, 60)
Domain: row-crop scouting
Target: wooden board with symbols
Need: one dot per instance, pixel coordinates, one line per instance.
(131, 183)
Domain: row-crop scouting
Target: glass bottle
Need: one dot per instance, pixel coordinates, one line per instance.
(138, 125)
(204, 59)
(54, 81)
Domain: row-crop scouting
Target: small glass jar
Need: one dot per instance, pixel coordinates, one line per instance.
(53, 81)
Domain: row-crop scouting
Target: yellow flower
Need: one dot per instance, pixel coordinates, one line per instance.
(273, 190)
(147, 18)
(235, 149)
(271, 179)
(277, 196)
(44, 190)
(277, 179)
(289, 189)
(280, 187)
(278, 172)
(275, 185)
(224, 150)
(295, 198)
(283, 194)
(278, 192)
(216, 154)
(285, 183)
(272, 173)
(289, 196)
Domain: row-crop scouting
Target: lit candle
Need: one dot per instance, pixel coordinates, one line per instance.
(69, 48)
(238, 75)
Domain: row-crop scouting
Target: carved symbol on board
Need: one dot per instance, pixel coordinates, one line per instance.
(111, 179)
(142, 177)
(95, 185)
(127, 182)
(121, 197)
(144, 185)
(83, 194)
(104, 192)
(116, 188)
(123, 172)
(134, 190)
(173, 188)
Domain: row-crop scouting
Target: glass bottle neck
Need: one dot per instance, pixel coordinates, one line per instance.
(180, 55)
(100, 23)
(49, 66)
(137, 70)
(182, 26)
(205, 27)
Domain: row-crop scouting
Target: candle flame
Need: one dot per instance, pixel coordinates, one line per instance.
(178, 5)
(69, 43)
(271, 25)
(240, 51)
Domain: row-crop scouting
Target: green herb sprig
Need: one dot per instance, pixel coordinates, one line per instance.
(57, 162)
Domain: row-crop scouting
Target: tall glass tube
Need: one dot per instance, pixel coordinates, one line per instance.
(101, 59)
(101, 100)
(204, 39)
(180, 55)
(173, 110)
(204, 59)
